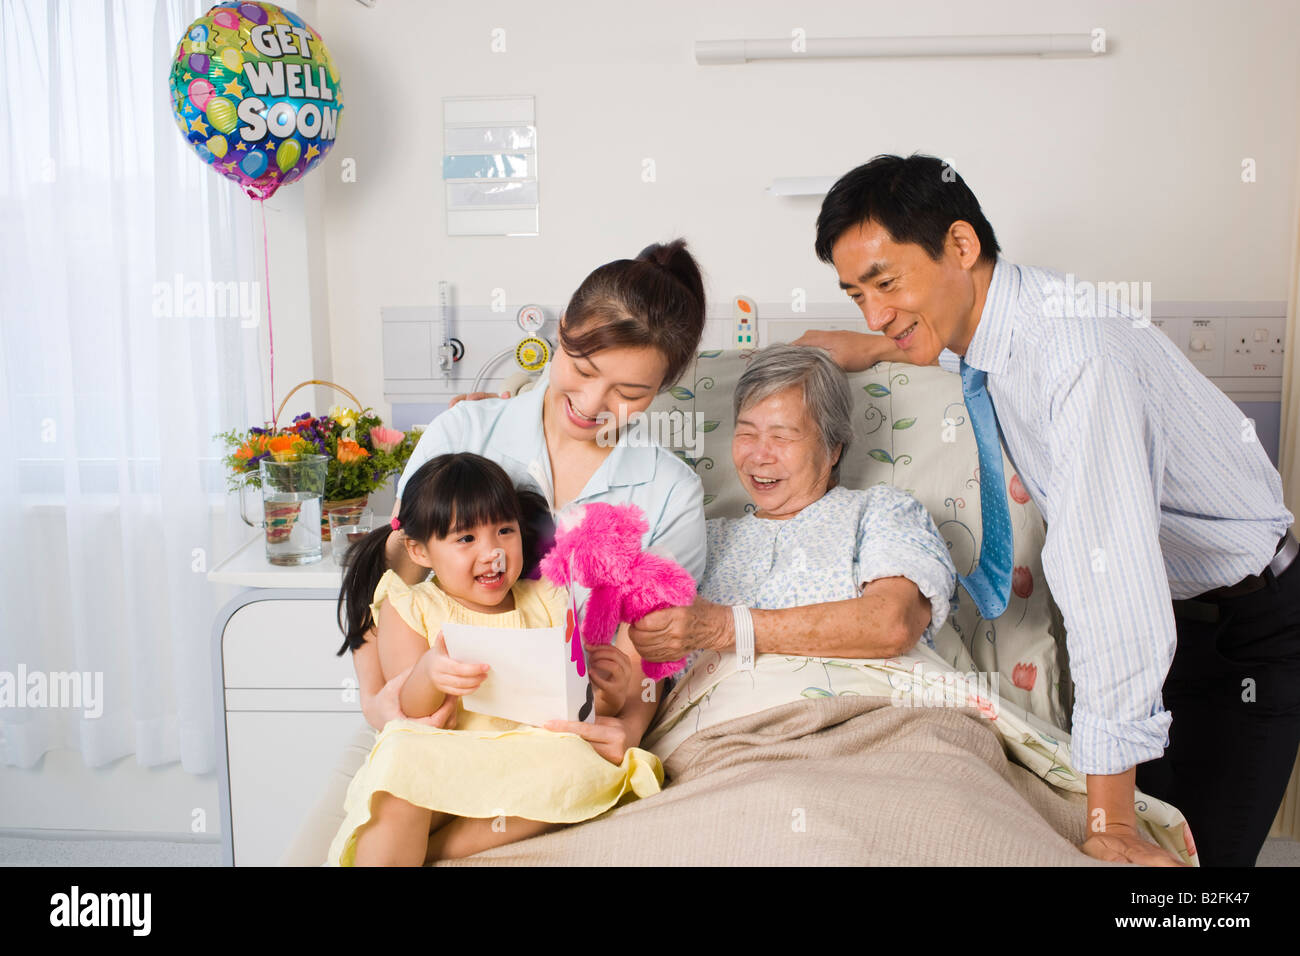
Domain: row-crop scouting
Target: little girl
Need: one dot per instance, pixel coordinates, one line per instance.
(469, 781)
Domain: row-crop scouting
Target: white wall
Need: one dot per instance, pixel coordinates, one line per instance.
(1123, 167)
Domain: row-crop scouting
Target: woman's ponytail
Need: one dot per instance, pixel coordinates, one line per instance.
(674, 257)
(654, 300)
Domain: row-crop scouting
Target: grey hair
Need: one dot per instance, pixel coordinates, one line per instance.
(826, 391)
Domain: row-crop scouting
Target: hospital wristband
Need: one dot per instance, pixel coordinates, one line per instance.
(744, 624)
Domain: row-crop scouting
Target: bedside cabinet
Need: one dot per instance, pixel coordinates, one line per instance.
(285, 704)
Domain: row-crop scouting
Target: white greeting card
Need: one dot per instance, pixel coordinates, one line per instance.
(532, 678)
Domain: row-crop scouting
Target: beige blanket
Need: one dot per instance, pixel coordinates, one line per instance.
(831, 781)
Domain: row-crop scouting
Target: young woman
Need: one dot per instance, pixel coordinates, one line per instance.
(628, 332)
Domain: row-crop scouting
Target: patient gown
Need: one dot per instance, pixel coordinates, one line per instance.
(488, 766)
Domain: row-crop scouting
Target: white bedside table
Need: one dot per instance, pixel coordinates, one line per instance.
(285, 704)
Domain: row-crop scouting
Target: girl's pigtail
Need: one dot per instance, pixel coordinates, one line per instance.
(366, 562)
(537, 529)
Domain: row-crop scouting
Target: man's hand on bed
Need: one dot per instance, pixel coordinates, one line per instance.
(1121, 843)
(1113, 823)
(675, 632)
(608, 736)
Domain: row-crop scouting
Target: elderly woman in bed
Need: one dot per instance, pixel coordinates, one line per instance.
(820, 570)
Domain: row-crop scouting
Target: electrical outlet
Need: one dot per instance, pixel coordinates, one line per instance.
(1253, 349)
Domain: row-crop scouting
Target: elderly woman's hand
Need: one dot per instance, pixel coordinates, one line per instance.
(675, 632)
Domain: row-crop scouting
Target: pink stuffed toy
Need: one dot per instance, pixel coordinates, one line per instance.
(600, 548)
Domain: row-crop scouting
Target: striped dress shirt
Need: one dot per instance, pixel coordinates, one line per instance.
(1150, 479)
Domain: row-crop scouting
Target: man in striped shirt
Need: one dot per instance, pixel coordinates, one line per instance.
(1168, 547)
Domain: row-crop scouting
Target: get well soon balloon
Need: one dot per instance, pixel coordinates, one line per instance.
(255, 92)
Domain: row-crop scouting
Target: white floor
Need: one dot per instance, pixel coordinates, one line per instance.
(26, 851)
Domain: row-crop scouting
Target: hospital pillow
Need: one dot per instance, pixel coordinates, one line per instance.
(902, 414)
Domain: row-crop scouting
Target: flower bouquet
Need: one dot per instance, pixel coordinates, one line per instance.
(362, 454)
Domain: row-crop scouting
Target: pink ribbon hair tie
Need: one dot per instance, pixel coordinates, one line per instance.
(395, 523)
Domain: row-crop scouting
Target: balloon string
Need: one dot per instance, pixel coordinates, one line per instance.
(266, 275)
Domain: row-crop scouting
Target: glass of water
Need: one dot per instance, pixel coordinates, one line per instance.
(348, 527)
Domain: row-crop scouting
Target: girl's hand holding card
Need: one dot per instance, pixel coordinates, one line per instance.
(450, 676)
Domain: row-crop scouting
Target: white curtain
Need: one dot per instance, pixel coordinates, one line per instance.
(112, 497)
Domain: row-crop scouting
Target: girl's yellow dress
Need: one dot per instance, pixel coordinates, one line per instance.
(488, 766)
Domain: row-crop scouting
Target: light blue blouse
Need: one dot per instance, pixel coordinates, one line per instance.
(509, 432)
(827, 552)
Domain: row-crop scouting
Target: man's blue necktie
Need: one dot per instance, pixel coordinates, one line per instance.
(990, 583)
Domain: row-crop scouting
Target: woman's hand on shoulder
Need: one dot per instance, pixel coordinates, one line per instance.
(608, 736)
